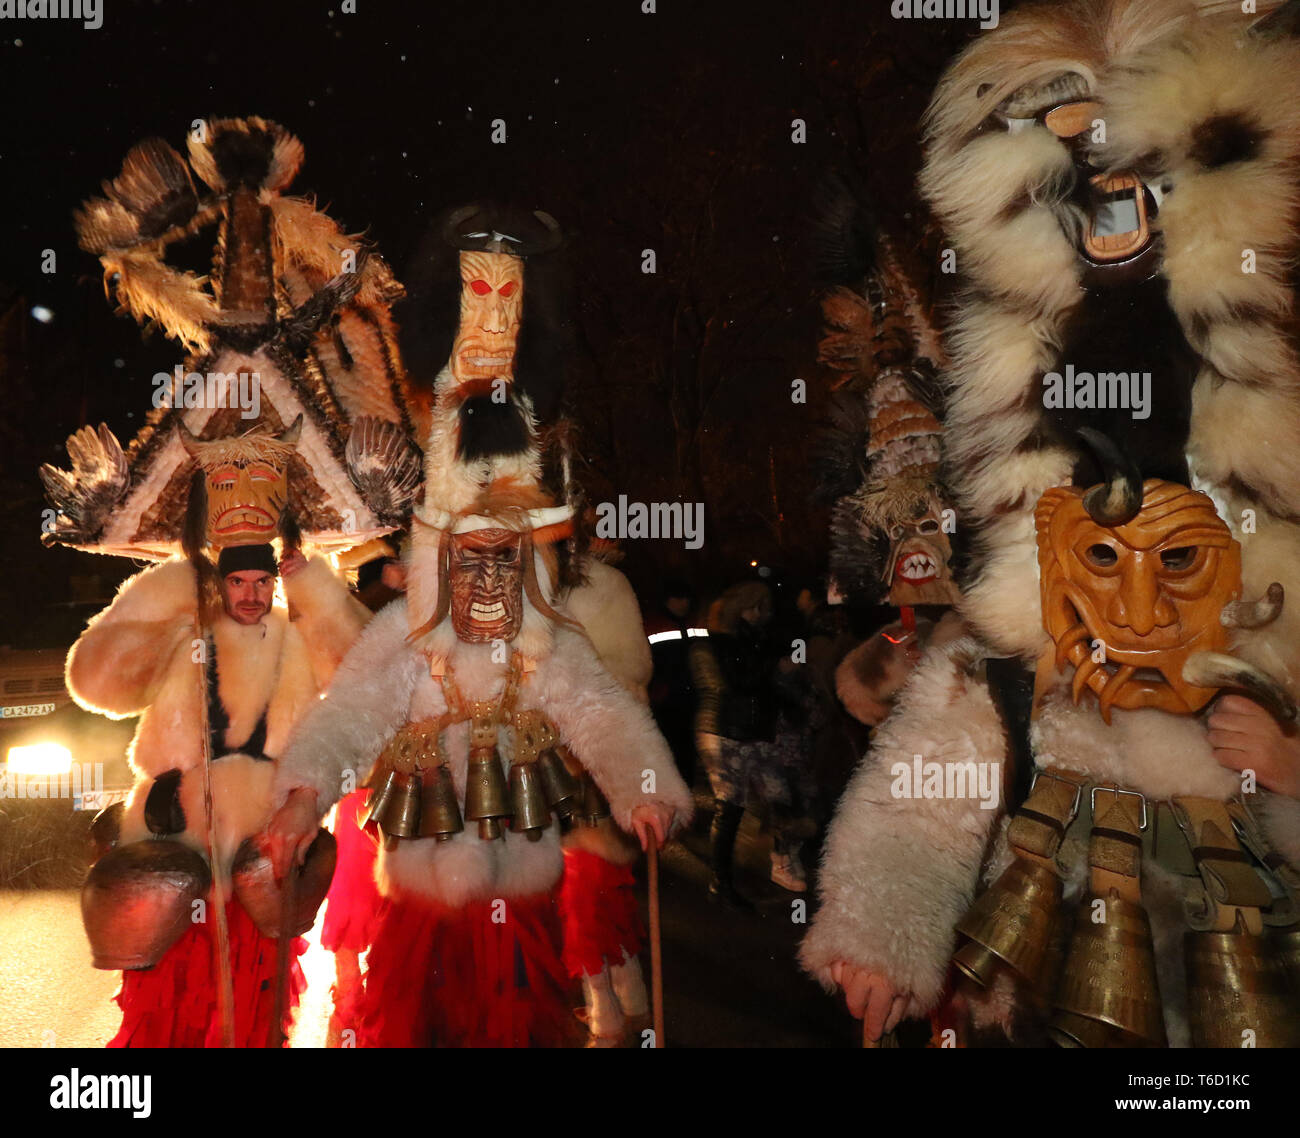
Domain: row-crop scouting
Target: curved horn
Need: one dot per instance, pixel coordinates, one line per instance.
(1118, 497)
(292, 432)
(189, 441)
(451, 227)
(1276, 25)
(1254, 614)
(1217, 670)
(554, 235)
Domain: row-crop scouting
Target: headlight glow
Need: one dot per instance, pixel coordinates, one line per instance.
(40, 759)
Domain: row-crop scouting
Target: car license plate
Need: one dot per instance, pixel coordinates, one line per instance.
(22, 709)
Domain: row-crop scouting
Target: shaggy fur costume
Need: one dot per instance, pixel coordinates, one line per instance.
(385, 683)
(1211, 117)
(138, 657)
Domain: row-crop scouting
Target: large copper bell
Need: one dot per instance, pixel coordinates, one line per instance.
(1012, 924)
(529, 809)
(263, 897)
(1235, 985)
(486, 798)
(563, 791)
(399, 814)
(439, 812)
(1108, 995)
(137, 901)
(595, 806)
(1287, 944)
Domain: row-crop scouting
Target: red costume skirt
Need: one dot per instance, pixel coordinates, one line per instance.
(600, 912)
(485, 975)
(175, 1003)
(352, 907)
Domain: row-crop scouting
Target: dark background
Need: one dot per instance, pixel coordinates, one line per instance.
(669, 131)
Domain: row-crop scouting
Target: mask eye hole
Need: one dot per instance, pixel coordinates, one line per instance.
(928, 526)
(1178, 559)
(1102, 556)
(480, 287)
(896, 532)
(508, 289)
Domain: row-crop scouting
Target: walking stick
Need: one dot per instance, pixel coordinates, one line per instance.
(656, 950)
(888, 1039)
(275, 1033)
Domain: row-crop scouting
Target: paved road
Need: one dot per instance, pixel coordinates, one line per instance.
(730, 980)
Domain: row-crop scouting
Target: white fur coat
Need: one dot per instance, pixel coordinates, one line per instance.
(140, 656)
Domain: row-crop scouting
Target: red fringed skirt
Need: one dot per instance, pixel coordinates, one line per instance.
(352, 907)
(176, 1004)
(600, 913)
(484, 975)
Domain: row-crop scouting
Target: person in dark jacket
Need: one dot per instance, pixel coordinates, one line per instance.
(734, 667)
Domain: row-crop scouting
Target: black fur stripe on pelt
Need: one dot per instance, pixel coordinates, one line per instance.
(489, 427)
(843, 233)
(243, 157)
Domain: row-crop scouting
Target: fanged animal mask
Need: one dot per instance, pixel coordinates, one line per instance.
(247, 481)
(1149, 590)
(491, 308)
(487, 585)
(918, 570)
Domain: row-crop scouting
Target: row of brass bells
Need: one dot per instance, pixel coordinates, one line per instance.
(1013, 924)
(487, 799)
(138, 900)
(1108, 995)
(1237, 985)
(530, 812)
(263, 897)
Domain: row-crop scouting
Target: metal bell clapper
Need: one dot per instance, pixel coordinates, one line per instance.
(487, 800)
(1012, 924)
(1108, 995)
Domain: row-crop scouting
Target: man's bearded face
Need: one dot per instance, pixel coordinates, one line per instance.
(1150, 591)
(491, 307)
(917, 569)
(247, 595)
(245, 500)
(487, 586)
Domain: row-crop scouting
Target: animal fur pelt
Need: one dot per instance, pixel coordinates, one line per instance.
(385, 682)
(140, 656)
(1209, 115)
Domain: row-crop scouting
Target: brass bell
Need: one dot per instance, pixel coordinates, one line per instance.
(528, 801)
(563, 791)
(399, 817)
(1235, 985)
(1012, 924)
(595, 806)
(1108, 995)
(486, 798)
(380, 795)
(440, 812)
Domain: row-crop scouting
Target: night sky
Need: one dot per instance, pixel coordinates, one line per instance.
(669, 131)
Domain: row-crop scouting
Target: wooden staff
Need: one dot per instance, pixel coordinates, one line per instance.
(656, 951)
(288, 899)
(889, 1039)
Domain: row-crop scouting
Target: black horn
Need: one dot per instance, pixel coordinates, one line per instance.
(1118, 497)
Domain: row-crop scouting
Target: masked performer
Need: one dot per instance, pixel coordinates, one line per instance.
(1122, 432)
(246, 448)
(879, 464)
(472, 675)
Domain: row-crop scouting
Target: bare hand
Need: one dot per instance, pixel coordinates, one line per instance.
(292, 562)
(654, 818)
(870, 995)
(1246, 737)
(292, 831)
